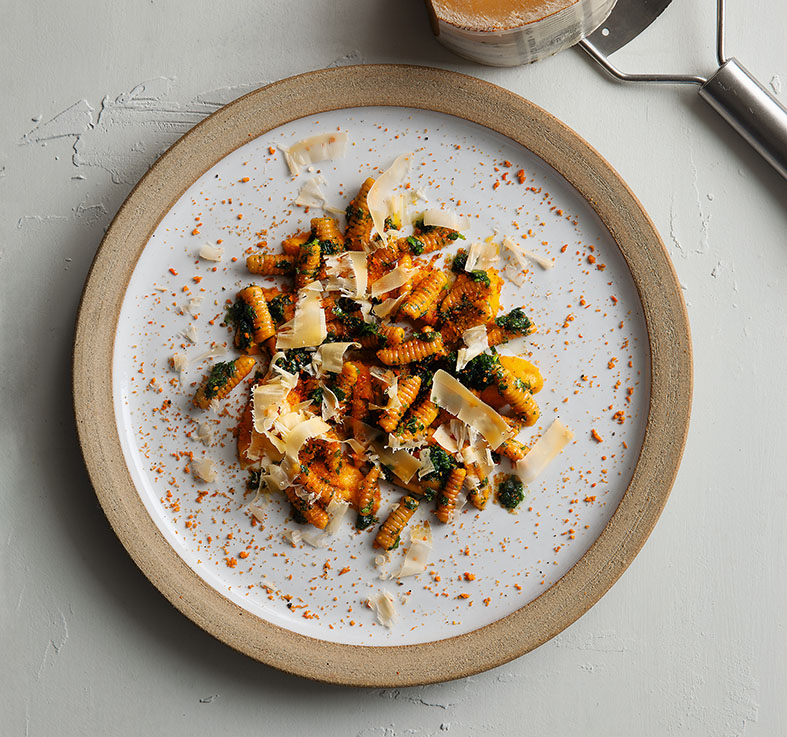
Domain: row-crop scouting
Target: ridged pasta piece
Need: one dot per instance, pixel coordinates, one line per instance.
(431, 238)
(446, 498)
(326, 231)
(380, 261)
(466, 315)
(312, 513)
(496, 335)
(527, 372)
(367, 499)
(346, 381)
(313, 479)
(516, 393)
(418, 422)
(262, 322)
(406, 393)
(292, 245)
(472, 288)
(222, 379)
(424, 295)
(479, 486)
(362, 393)
(413, 350)
(389, 534)
(513, 449)
(359, 220)
(308, 264)
(271, 264)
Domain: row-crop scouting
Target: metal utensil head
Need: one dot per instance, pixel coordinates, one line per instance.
(626, 21)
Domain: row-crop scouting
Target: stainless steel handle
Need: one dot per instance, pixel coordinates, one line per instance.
(751, 110)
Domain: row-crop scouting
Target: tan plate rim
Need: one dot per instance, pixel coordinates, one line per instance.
(665, 317)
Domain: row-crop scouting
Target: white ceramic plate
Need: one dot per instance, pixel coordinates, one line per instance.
(612, 342)
(591, 346)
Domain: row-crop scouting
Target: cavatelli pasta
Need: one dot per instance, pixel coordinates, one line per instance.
(389, 534)
(380, 261)
(446, 498)
(362, 393)
(307, 267)
(418, 421)
(312, 513)
(326, 231)
(292, 245)
(527, 372)
(367, 500)
(479, 486)
(427, 343)
(424, 295)
(271, 264)
(262, 322)
(431, 238)
(222, 379)
(359, 220)
(516, 393)
(346, 381)
(406, 393)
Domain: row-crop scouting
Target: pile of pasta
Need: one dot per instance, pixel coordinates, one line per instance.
(375, 361)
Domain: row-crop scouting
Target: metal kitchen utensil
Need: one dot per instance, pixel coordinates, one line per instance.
(732, 91)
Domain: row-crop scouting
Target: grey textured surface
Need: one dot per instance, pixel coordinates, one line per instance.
(690, 641)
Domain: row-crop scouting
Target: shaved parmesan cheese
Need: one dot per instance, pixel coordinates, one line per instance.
(330, 406)
(330, 357)
(395, 442)
(378, 200)
(420, 194)
(336, 510)
(210, 252)
(381, 562)
(293, 537)
(404, 465)
(442, 437)
(204, 468)
(398, 211)
(520, 254)
(315, 539)
(257, 506)
(393, 279)
(215, 351)
(190, 333)
(298, 435)
(347, 273)
(310, 194)
(389, 306)
(266, 402)
(205, 433)
(452, 396)
(446, 218)
(481, 255)
(321, 147)
(273, 476)
(307, 328)
(476, 341)
(418, 554)
(179, 363)
(547, 447)
(427, 466)
(383, 604)
(192, 306)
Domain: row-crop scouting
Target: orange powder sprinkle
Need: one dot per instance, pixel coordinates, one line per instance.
(594, 434)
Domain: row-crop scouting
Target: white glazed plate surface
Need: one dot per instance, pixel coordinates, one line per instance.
(591, 346)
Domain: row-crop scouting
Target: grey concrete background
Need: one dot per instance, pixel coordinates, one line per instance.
(691, 640)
